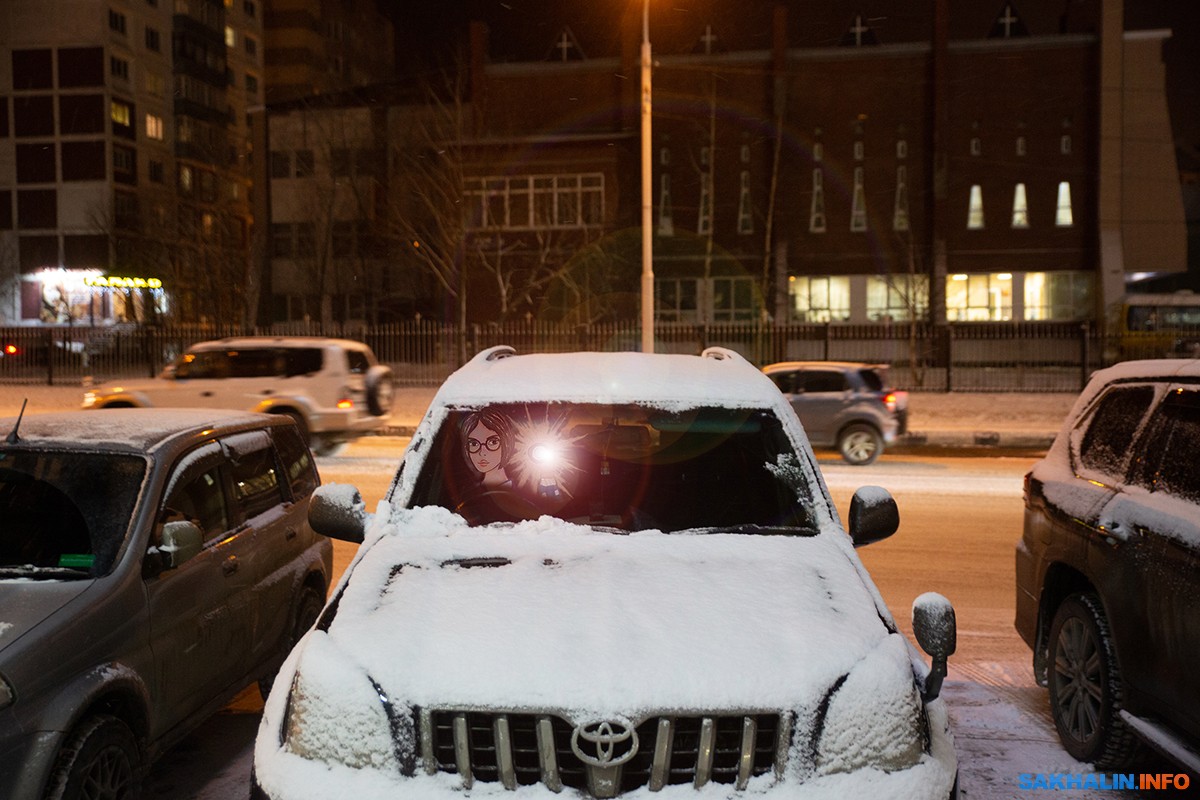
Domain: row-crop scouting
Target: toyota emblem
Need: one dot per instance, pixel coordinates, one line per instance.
(608, 744)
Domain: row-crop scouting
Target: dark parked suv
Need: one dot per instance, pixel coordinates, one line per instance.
(1108, 589)
(153, 563)
(844, 404)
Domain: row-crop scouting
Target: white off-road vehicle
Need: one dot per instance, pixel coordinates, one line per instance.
(334, 389)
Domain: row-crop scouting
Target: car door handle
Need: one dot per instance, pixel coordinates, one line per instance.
(206, 394)
(230, 565)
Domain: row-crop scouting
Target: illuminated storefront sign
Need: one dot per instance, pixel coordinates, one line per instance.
(114, 282)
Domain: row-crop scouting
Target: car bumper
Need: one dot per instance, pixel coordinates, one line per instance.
(25, 761)
(282, 775)
(352, 423)
(1026, 619)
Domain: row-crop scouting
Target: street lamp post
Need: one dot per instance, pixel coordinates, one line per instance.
(647, 208)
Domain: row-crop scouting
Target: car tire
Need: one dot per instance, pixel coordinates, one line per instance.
(1085, 685)
(860, 443)
(381, 390)
(100, 761)
(308, 609)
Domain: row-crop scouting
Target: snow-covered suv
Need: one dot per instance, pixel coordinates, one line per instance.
(602, 575)
(1107, 585)
(334, 389)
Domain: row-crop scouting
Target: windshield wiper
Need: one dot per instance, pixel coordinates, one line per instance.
(41, 573)
(759, 530)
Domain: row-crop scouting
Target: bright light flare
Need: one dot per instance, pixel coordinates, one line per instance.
(544, 454)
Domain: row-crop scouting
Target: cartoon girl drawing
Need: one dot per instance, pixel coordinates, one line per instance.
(488, 443)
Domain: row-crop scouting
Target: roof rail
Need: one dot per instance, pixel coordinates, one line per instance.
(495, 353)
(720, 354)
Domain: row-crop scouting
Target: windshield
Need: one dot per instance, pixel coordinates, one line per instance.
(625, 467)
(65, 513)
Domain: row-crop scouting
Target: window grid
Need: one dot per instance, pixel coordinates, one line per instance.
(745, 217)
(534, 202)
(858, 207)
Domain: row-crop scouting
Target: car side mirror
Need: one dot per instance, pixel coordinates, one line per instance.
(338, 511)
(873, 515)
(936, 630)
(181, 541)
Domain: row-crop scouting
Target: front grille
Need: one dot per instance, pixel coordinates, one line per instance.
(525, 749)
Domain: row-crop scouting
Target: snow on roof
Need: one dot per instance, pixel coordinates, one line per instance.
(672, 382)
(132, 429)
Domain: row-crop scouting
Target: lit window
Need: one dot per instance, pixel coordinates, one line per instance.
(900, 209)
(185, 178)
(979, 298)
(820, 298)
(745, 217)
(230, 37)
(154, 127)
(704, 219)
(120, 113)
(816, 211)
(1020, 211)
(1059, 295)
(897, 298)
(975, 209)
(1063, 216)
(858, 205)
(666, 222)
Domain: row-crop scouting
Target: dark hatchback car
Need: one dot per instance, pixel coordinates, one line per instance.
(1108, 568)
(153, 563)
(848, 405)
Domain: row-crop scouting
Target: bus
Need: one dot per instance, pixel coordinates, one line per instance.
(1159, 326)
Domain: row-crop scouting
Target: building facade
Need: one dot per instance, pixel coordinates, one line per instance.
(129, 129)
(125, 155)
(953, 162)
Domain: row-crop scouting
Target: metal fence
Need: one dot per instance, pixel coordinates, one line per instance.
(989, 357)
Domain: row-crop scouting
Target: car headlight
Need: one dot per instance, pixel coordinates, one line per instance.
(7, 694)
(875, 717)
(337, 714)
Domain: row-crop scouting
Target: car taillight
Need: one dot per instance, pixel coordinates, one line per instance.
(345, 403)
(11, 350)
(889, 400)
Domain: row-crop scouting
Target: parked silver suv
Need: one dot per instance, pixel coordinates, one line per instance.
(152, 564)
(844, 404)
(334, 389)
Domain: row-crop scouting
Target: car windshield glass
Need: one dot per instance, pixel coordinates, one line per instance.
(625, 467)
(65, 513)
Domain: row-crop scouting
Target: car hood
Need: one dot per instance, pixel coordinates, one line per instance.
(546, 614)
(25, 604)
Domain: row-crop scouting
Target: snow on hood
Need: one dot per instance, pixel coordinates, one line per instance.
(546, 614)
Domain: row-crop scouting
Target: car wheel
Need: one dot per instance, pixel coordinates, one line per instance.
(1085, 685)
(100, 761)
(308, 609)
(860, 443)
(381, 390)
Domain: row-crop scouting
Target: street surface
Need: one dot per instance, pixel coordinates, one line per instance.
(960, 519)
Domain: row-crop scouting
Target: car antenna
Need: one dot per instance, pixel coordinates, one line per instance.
(12, 437)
